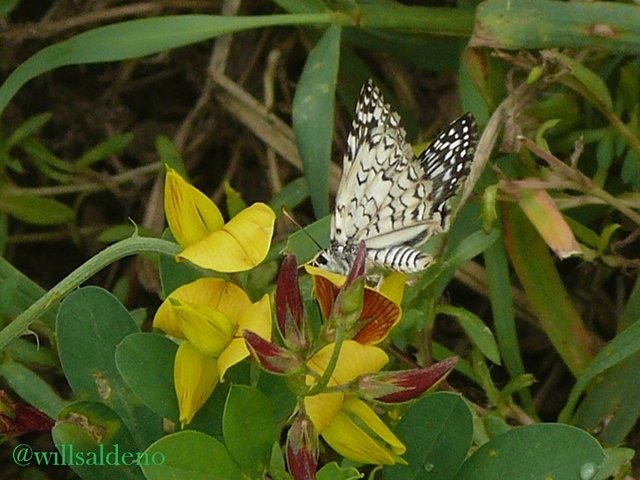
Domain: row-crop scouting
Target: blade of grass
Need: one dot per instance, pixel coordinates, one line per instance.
(544, 289)
(497, 267)
(532, 24)
(313, 115)
(138, 38)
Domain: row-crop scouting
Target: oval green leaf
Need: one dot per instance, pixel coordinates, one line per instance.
(191, 455)
(535, 452)
(437, 431)
(313, 115)
(249, 428)
(92, 440)
(36, 210)
(90, 325)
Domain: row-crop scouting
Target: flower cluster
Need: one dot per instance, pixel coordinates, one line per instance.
(340, 370)
(210, 314)
(336, 374)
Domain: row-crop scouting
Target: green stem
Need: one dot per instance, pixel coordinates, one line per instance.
(124, 248)
(331, 366)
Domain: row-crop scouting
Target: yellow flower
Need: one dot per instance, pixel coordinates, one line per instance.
(347, 423)
(207, 241)
(210, 315)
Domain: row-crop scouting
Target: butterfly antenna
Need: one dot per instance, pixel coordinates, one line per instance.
(286, 213)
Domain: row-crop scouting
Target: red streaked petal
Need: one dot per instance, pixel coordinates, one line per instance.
(379, 316)
(326, 293)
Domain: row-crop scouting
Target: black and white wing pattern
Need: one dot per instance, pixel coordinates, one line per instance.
(388, 197)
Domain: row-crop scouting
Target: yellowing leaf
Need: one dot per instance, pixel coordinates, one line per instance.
(542, 211)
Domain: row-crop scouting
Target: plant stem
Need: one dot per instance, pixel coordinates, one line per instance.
(331, 366)
(124, 248)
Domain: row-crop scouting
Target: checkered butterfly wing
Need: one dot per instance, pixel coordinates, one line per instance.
(388, 197)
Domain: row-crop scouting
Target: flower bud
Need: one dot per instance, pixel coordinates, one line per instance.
(348, 306)
(271, 357)
(405, 385)
(18, 418)
(290, 313)
(302, 448)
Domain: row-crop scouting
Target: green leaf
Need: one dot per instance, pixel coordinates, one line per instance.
(31, 387)
(612, 405)
(90, 325)
(138, 38)
(292, 195)
(537, 24)
(36, 210)
(585, 81)
(621, 348)
(18, 292)
(499, 278)
(546, 293)
(248, 410)
(535, 452)
(479, 334)
(333, 471)
(145, 361)
(105, 149)
(189, 454)
(93, 441)
(313, 115)
(27, 128)
(304, 243)
(6, 6)
(437, 431)
(169, 155)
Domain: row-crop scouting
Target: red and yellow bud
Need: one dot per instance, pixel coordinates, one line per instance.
(290, 314)
(302, 448)
(405, 385)
(272, 357)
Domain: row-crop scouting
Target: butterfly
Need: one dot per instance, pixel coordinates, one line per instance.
(387, 196)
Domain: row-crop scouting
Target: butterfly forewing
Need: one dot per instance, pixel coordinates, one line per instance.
(387, 196)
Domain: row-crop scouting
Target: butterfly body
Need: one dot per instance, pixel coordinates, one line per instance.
(389, 198)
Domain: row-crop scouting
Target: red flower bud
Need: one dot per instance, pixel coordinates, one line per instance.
(18, 418)
(272, 357)
(358, 267)
(405, 385)
(290, 314)
(302, 448)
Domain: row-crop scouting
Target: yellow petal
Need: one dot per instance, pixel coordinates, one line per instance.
(256, 318)
(335, 278)
(393, 286)
(368, 417)
(195, 377)
(208, 329)
(218, 294)
(240, 245)
(352, 442)
(354, 360)
(323, 408)
(191, 215)
(165, 319)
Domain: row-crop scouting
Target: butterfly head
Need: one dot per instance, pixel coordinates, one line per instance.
(337, 258)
